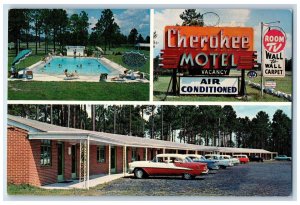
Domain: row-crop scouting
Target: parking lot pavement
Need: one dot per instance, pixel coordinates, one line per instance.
(253, 179)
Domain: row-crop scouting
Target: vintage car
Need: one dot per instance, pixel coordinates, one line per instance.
(234, 161)
(223, 163)
(211, 164)
(283, 158)
(255, 158)
(242, 157)
(168, 165)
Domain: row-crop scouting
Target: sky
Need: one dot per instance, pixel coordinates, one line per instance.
(231, 17)
(125, 18)
(251, 110)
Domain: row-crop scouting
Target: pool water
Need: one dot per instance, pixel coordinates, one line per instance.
(83, 66)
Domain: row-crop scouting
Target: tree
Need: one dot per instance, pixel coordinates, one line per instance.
(132, 37)
(46, 26)
(229, 118)
(281, 140)
(58, 25)
(147, 39)
(140, 39)
(79, 24)
(191, 18)
(106, 26)
(36, 15)
(260, 130)
(16, 22)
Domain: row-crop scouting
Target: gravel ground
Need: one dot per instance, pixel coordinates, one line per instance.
(253, 179)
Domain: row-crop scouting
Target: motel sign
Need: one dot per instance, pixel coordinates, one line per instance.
(209, 52)
(208, 48)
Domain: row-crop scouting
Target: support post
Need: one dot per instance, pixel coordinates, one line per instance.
(177, 151)
(196, 152)
(164, 150)
(83, 163)
(146, 154)
(186, 151)
(261, 60)
(243, 83)
(80, 161)
(109, 159)
(88, 163)
(174, 82)
(124, 161)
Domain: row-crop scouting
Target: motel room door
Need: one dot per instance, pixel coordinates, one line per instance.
(113, 160)
(73, 153)
(60, 161)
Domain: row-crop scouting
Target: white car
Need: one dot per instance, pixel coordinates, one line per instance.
(168, 165)
(223, 163)
(234, 161)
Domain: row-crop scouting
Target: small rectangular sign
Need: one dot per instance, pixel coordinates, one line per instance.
(209, 85)
(273, 64)
(270, 84)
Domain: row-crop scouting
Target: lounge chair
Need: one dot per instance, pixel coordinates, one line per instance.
(29, 74)
(71, 76)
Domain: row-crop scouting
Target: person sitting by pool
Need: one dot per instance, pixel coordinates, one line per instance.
(75, 74)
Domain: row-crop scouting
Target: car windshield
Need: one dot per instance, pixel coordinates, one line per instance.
(187, 159)
(203, 158)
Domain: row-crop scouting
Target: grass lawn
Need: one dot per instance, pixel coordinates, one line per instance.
(36, 191)
(100, 190)
(283, 84)
(118, 58)
(36, 90)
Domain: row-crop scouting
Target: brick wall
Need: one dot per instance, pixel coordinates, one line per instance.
(98, 167)
(119, 158)
(18, 150)
(23, 160)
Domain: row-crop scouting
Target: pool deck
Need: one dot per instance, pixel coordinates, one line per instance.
(118, 69)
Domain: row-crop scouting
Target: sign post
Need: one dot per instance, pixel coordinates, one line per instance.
(261, 64)
(272, 53)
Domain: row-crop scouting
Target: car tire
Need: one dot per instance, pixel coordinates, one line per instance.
(187, 176)
(223, 167)
(139, 173)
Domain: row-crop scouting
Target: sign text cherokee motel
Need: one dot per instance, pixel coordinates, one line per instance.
(208, 48)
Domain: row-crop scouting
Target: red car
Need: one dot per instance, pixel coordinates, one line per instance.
(242, 157)
(168, 165)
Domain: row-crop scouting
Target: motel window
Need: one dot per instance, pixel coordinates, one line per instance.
(46, 152)
(101, 154)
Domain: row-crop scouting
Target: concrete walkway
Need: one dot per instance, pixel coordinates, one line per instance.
(94, 181)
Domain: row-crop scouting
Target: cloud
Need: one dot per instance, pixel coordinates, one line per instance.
(92, 21)
(70, 12)
(163, 18)
(134, 18)
(233, 17)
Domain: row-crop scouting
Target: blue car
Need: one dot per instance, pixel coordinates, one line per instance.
(211, 164)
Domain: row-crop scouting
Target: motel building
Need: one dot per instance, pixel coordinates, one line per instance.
(42, 154)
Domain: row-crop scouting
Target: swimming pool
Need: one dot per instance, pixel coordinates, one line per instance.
(83, 66)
